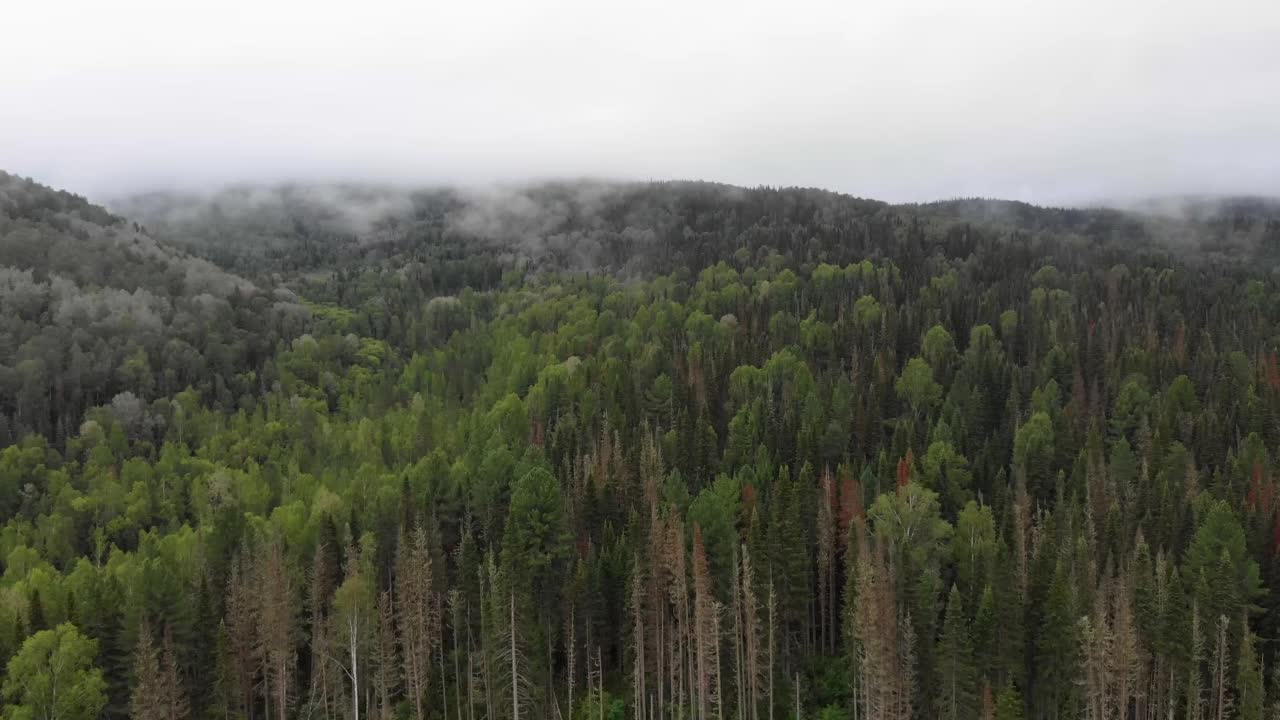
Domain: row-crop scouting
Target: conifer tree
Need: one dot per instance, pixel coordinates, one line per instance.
(1250, 700)
(1009, 705)
(958, 689)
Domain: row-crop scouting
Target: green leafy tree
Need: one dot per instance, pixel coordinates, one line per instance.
(53, 676)
(909, 523)
(917, 388)
(947, 473)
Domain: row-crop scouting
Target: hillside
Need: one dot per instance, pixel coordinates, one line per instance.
(659, 450)
(636, 227)
(95, 311)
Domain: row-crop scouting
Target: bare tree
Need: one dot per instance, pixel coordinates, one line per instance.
(1220, 670)
(157, 693)
(416, 608)
(751, 637)
(706, 631)
(323, 694)
(826, 536)
(386, 679)
(638, 639)
(242, 627)
(276, 625)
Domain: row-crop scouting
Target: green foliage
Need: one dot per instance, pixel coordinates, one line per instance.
(53, 675)
(916, 386)
(1249, 695)
(909, 524)
(946, 472)
(1009, 705)
(594, 707)
(957, 675)
(1225, 578)
(1033, 452)
(536, 542)
(1042, 411)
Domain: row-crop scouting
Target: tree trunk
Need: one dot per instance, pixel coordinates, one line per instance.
(353, 629)
(515, 675)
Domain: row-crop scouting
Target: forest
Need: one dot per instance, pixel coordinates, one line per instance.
(636, 451)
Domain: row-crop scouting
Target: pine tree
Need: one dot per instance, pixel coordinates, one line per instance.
(958, 696)
(1249, 693)
(35, 614)
(1057, 650)
(826, 541)
(1194, 701)
(984, 633)
(223, 694)
(1009, 706)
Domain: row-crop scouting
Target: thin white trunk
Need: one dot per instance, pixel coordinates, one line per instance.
(353, 628)
(515, 677)
(457, 667)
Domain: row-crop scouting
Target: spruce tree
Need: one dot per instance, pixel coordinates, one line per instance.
(1249, 695)
(957, 688)
(1009, 705)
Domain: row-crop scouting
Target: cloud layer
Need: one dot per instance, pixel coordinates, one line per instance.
(1043, 101)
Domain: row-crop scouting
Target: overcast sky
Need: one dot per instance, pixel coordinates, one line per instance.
(1065, 101)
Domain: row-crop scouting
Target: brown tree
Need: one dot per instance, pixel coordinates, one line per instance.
(242, 629)
(275, 623)
(158, 692)
(415, 617)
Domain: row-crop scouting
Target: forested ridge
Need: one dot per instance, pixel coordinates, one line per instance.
(654, 451)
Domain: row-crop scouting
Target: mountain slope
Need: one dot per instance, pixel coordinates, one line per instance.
(909, 454)
(92, 307)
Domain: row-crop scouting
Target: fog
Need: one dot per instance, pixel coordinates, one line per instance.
(1050, 102)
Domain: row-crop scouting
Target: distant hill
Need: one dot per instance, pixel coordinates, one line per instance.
(1209, 208)
(134, 286)
(91, 306)
(610, 226)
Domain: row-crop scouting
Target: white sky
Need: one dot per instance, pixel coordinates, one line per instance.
(1072, 100)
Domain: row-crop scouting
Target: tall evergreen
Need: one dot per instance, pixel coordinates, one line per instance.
(957, 688)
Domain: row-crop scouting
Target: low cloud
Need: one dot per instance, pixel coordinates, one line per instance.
(1045, 102)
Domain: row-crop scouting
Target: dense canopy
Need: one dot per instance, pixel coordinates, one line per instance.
(657, 451)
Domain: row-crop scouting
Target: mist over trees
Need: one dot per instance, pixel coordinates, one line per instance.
(656, 450)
